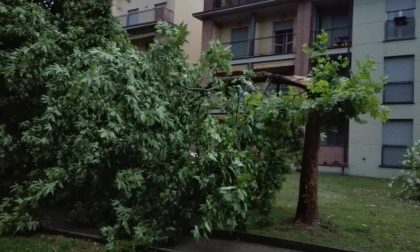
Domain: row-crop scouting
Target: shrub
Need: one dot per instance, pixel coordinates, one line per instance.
(408, 184)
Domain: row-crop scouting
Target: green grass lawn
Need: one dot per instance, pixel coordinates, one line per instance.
(356, 213)
(47, 243)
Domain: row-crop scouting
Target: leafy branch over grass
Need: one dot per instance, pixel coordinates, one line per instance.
(133, 140)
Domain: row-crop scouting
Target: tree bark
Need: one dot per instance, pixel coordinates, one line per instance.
(307, 210)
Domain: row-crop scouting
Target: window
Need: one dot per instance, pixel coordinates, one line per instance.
(240, 42)
(133, 17)
(283, 37)
(336, 133)
(400, 87)
(273, 88)
(397, 136)
(401, 19)
(337, 24)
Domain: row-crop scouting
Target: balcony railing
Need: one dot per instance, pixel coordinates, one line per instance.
(332, 155)
(147, 16)
(223, 4)
(398, 92)
(393, 155)
(400, 28)
(338, 37)
(266, 46)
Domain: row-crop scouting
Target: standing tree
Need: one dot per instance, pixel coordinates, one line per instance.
(330, 95)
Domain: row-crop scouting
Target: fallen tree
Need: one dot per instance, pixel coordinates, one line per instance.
(112, 134)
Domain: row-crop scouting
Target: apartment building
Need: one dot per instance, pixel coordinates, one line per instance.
(387, 31)
(267, 35)
(139, 18)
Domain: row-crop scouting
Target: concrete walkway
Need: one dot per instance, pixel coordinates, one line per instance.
(217, 245)
(55, 220)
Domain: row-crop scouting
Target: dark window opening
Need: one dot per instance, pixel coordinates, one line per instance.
(240, 42)
(335, 134)
(283, 41)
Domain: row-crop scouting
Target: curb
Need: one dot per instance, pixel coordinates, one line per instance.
(218, 234)
(274, 242)
(75, 235)
(89, 237)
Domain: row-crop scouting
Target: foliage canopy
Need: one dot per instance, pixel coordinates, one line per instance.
(123, 139)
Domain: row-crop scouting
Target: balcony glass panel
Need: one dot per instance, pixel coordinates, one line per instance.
(135, 17)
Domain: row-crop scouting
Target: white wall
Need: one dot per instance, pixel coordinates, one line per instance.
(183, 11)
(365, 141)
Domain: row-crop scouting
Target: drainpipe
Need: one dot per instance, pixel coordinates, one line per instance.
(350, 25)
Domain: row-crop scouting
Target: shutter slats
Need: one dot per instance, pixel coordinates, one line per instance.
(400, 69)
(397, 133)
(396, 5)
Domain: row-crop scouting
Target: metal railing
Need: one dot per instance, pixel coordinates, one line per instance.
(399, 13)
(266, 46)
(398, 92)
(400, 28)
(224, 4)
(332, 155)
(338, 37)
(393, 155)
(147, 16)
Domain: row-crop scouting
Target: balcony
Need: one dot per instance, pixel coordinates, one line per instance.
(399, 93)
(144, 18)
(400, 28)
(338, 37)
(236, 9)
(267, 46)
(225, 4)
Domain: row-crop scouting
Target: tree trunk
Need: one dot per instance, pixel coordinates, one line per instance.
(307, 210)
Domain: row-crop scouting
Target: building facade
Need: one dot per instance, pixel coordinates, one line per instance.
(267, 35)
(139, 18)
(387, 31)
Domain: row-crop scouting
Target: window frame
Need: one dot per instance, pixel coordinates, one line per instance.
(246, 41)
(410, 19)
(383, 146)
(401, 82)
(287, 39)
